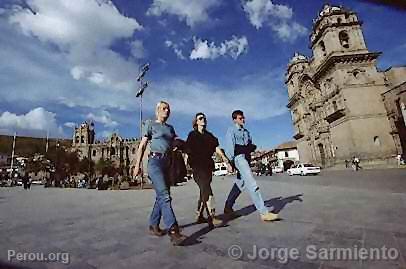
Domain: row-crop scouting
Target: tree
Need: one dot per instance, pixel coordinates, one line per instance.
(86, 167)
(106, 167)
(35, 165)
(66, 162)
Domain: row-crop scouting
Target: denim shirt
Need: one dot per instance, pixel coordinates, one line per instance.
(236, 135)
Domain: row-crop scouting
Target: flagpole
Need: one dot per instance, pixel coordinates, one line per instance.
(46, 145)
(12, 155)
(142, 166)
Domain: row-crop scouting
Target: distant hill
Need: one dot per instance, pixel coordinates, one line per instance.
(27, 146)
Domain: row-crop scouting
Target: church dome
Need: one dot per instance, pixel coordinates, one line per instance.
(298, 58)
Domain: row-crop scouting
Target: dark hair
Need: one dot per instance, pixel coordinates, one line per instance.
(236, 113)
(194, 121)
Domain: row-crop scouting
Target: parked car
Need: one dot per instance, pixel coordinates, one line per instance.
(303, 169)
(277, 169)
(221, 171)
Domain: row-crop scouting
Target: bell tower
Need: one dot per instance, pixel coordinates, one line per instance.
(336, 30)
(83, 135)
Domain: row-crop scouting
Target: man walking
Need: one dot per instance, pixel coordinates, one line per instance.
(238, 149)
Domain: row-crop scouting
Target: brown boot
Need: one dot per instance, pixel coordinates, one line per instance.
(228, 211)
(199, 214)
(211, 213)
(155, 230)
(176, 237)
(200, 219)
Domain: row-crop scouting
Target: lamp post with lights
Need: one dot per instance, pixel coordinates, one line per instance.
(143, 85)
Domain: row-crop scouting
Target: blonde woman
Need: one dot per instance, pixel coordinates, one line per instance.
(161, 135)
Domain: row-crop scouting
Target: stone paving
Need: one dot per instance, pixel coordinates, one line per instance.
(357, 211)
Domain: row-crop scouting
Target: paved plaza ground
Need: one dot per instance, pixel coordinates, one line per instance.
(357, 211)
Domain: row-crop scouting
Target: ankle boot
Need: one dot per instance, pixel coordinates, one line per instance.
(199, 214)
(176, 237)
(155, 230)
(211, 213)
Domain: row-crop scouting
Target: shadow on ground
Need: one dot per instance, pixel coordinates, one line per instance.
(277, 204)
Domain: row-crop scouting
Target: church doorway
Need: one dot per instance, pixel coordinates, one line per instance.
(322, 154)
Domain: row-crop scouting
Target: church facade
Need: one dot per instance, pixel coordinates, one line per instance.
(117, 149)
(341, 104)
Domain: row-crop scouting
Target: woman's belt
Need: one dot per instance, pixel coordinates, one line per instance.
(158, 154)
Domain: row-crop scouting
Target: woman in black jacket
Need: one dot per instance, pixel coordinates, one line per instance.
(200, 146)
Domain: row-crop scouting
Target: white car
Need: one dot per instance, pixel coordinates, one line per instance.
(303, 169)
(221, 171)
(277, 169)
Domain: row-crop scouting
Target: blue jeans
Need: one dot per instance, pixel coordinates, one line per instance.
(157, 170)
(245, 180)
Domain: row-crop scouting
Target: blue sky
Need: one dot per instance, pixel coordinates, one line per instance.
(64, 62)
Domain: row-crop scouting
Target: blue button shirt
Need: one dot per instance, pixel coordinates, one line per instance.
(236, 135)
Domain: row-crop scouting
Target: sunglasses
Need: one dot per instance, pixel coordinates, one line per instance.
(201, 118)
(240, 118)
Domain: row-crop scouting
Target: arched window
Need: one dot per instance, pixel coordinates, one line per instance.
(377, 142)
(82, 139)
(112, 151)
(344, 39)
(323, 48)
(286, 154)
(338, 20)
(335, 105)
(94, 152)
(133, 151)
(77, 139)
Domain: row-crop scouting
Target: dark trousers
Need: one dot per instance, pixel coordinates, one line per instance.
(203, 178)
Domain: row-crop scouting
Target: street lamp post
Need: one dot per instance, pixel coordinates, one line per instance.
(57, 174)
(143, 85)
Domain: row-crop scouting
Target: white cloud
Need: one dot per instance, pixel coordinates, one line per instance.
(104, 117)
(277, 17)
(70, 124)
(176, 49)
(234, 48)
(191, 11)
(105, 134)
(137, 49)
(260, 96)
(83, 30)
(36, 122)
(77, 72)
(289, 31)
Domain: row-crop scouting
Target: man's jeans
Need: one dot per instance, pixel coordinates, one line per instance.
(245, 180)
(157, 167)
